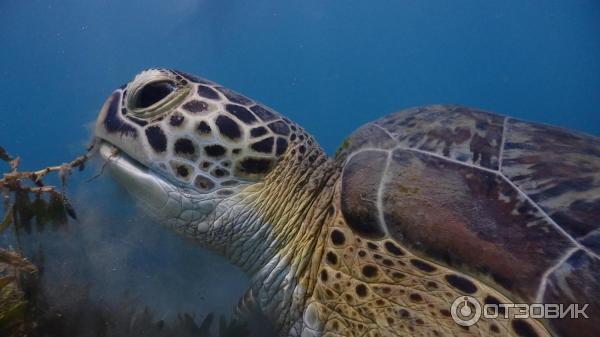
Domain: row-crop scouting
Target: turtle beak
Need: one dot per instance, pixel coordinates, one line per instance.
(142, 183)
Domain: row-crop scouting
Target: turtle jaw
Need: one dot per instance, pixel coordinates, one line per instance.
(139, 180)
(167, 203)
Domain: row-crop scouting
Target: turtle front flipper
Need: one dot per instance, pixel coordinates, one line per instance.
(376, 287)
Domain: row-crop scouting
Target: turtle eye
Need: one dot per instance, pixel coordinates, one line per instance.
(153, 93)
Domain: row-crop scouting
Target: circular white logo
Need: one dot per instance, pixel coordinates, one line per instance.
(465, 310)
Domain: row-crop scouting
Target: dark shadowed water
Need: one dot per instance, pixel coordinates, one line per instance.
(329, 65)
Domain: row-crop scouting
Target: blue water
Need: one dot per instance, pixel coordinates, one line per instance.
(329, 65)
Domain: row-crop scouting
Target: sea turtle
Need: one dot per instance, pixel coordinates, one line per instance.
(419, 210)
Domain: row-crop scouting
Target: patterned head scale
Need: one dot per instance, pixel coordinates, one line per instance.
(194, 132)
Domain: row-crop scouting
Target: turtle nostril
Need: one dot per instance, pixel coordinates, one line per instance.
(153, 92)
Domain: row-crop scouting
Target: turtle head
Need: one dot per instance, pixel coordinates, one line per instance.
(182, 145)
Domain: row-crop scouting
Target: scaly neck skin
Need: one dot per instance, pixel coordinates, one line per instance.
(272, 229)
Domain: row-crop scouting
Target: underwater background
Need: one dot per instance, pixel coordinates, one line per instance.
(329, 65)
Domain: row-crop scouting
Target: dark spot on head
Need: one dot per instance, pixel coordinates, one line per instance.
(234, 96)
(236, 151)
(257, 132)
(361, 290)
(282, 145)
(419, 321)
(263, 113)
(215, 150)
(184, 146)
(523, 329)
(203, 128)
(404, 313)
(445, 312)
(293, 137)
(207, 92)
(206, 164)
(422, 265)
(264, 146)
(369, 271)
(228, 127)
(393, 249)
(241, 113)
(416, 297)
(113, 122)
(156, 138)
(203, 183)
(280, 128)
(302, 149)
(256, 165)
(324, 275)
(331, 258)
(387, 262)
(195, 106)
(337, 237)
(176, 119)
(219, 173)
(182, 171)
(372, 246)
(494, 328)
(461, 283)
(362, 253)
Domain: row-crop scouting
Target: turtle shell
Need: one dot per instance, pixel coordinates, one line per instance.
(507, 201)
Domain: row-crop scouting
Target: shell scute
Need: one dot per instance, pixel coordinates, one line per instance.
(464, 217)
(360, 183)
(559, 170)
